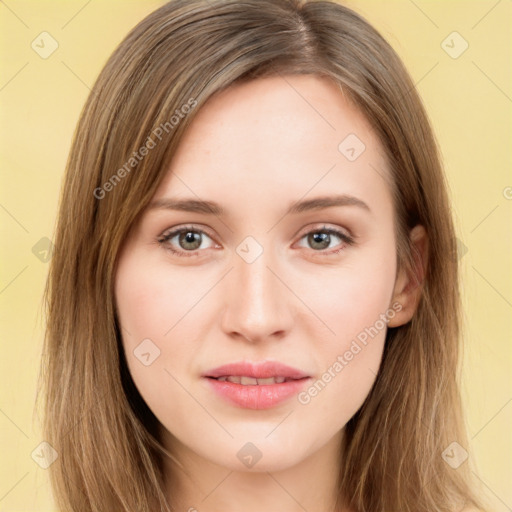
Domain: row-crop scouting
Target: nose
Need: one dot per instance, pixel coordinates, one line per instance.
(257, 305)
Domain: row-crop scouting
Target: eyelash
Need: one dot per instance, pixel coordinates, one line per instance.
(164, 239)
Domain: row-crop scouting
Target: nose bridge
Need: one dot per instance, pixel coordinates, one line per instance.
(257, 304)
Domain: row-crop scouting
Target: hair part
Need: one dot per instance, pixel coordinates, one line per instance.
(110, 457)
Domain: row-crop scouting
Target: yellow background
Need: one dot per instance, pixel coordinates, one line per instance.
(469, 102)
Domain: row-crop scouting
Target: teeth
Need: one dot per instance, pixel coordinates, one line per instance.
(270, 380)
(251, 381)
(246, 381)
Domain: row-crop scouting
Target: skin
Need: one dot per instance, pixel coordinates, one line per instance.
(256, 148)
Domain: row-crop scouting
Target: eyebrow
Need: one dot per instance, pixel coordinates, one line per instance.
(212, 208)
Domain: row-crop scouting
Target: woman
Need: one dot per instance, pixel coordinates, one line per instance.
(253, 302)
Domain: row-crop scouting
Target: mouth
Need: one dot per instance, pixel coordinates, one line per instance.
(261, 371)
(256, 386)
(251, 381)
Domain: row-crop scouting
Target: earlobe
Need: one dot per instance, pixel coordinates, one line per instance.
(409, 284)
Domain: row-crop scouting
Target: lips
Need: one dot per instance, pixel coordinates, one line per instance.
(264, 370)
(256, 386)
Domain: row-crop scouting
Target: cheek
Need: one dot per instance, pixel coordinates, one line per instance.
(352, 297)
(356, 307)
(153, 298)
(153, 307)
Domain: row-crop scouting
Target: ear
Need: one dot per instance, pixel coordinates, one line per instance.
(409, 285)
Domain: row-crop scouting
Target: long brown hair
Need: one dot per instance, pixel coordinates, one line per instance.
(110, 457)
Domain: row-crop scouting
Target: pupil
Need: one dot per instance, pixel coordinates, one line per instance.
(190, 238)
(320, 238)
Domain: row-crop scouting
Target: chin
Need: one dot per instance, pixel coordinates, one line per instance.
(252, 453)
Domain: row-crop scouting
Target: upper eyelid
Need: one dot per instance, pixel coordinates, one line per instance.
(325, 227)
(177, 230)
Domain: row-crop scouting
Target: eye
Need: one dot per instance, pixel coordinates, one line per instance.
(321, 239)
(185, 240)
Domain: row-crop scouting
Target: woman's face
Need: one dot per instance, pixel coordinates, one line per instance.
(290, 258)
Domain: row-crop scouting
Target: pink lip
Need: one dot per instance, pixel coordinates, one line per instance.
(262, 370)
(257, 396)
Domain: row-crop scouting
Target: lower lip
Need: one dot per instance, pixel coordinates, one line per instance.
(256, 396)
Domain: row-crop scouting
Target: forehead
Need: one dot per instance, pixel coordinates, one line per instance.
(277, 136)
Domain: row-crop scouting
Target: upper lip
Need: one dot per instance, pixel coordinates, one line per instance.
(262, 370)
